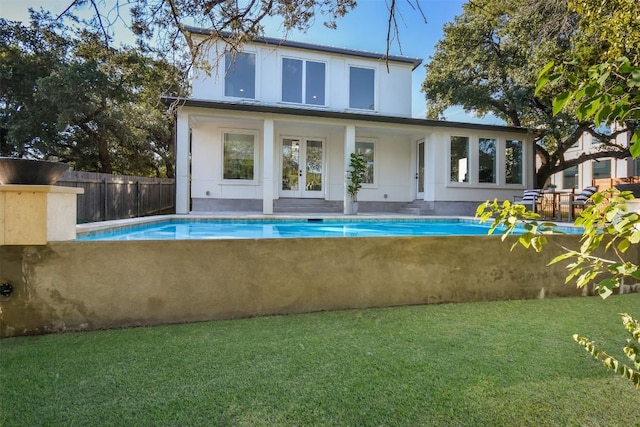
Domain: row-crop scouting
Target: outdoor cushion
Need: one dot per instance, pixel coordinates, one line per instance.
(528, 197)
(586, 194)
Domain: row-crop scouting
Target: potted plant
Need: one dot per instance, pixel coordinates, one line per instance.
(356, 174)
(551, 187)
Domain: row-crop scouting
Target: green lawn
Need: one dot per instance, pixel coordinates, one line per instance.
(482, 364)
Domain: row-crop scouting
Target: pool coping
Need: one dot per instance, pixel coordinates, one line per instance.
(120, 224)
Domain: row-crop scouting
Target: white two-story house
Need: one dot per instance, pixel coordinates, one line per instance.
(271, 128)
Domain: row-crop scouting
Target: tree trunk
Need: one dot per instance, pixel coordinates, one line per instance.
(104, 157)
(170, 171)
(542, 176)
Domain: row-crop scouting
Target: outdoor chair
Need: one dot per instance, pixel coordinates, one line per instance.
(529, 198)
(580, 200)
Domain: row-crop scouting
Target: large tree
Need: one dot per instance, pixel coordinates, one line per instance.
(68, 96)
(604, 86)
(164, 26)
(604, 70)
(488, 62)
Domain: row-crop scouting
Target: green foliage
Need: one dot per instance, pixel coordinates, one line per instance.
(163, 27)
(604, 92)
(483, 63)
(610, 228)
(613, 24)
(488, 62)
(356, 174)
(508, 364)
(607, 222)
(507, 216)
(610, 94)
(604, 83)
(67, 96)
(631, 350)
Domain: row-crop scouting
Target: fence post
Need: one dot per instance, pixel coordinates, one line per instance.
(106, 198)
(138, 196)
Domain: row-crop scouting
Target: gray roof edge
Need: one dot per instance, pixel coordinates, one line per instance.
(332, 114)
(321, 48)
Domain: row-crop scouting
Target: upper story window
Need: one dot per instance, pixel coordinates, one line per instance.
(601, 169)
(303, 82)
(570, 177)
(513, 162)
(459, 159)
(240, 75)
(362, 88)
(603, 129)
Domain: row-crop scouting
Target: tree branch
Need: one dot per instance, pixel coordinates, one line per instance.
(101, 24)
(390, 22)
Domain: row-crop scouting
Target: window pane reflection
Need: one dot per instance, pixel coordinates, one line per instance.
(238, 156)
(361, 88)
(487, 160)
(240, 75)
(513, 162)
(367, 149)
(459, 159)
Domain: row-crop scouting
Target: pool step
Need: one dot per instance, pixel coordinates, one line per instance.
(417, 207)
(307, 206)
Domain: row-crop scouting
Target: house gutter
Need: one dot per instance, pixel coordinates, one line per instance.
(415, 62)
(332, 114)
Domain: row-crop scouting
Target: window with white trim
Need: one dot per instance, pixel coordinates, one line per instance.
(459, 156)
(513, 157)
(303, 82)
(240, 75)
(601, 169)
(238, 156)
(368, 150)
(362, 88)
(487, 150)
(570, 177)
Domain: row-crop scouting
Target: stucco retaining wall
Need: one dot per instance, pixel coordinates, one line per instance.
(93, 285)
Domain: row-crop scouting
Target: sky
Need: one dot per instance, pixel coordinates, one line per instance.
(364, 28)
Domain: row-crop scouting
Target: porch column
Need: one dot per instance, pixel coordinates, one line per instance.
(267, 167)
(435, 149)
(428, 155)
(182, 163)
(349, 147)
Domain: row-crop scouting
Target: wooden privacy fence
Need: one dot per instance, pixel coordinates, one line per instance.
(108, 197)
(606, 183)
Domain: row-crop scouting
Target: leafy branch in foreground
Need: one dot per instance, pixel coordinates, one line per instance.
(610, 93)
(631, 350)
(606, 222)
(508, 216)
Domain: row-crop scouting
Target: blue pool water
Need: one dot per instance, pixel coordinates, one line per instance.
(226, 229)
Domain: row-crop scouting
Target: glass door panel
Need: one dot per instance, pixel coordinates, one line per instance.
(313, 170)
(420, 170)
(290, 167)
(302, 168)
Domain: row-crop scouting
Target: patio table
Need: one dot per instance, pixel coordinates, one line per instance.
(551, 203)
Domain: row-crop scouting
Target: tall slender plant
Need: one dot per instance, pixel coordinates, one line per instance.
(357, 171)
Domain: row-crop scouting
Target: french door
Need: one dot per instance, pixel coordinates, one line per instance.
(302, 168)
(420, 170)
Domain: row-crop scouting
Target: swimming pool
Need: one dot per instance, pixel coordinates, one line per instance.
(77, 285)
(183, 229)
